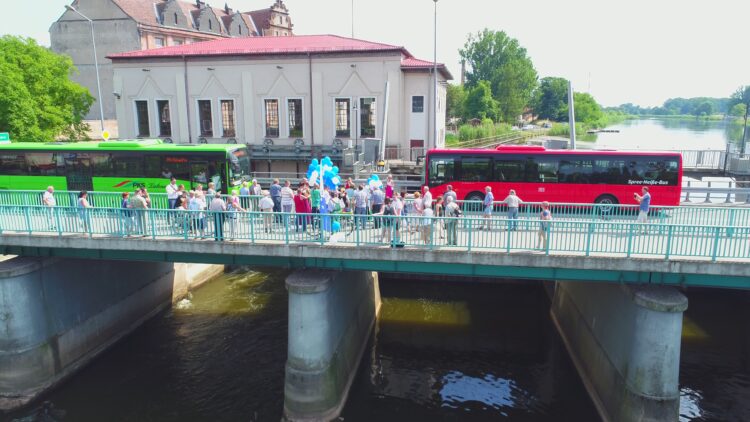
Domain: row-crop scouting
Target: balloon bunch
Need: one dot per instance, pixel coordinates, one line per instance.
(323, 173)
(374, 182)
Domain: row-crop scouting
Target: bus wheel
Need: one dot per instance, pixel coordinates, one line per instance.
(473, 202)
(606, 203)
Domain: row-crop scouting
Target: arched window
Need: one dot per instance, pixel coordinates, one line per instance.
(175, 18)
(210, 26)
(239, 27)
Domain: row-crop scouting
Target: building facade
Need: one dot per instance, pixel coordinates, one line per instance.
(301, 92)
(127, 25)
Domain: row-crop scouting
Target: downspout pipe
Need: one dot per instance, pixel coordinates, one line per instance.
(187, 99)
(312, 113)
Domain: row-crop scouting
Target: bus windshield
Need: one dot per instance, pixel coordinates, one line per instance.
(239, 166)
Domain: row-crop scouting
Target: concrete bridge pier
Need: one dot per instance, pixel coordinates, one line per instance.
(625, 344)
(331, 315)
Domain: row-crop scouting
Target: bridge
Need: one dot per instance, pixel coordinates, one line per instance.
(615, 283)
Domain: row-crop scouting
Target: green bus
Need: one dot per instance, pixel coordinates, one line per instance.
(119, 166)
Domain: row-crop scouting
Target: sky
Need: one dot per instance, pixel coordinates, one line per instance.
(638, 51)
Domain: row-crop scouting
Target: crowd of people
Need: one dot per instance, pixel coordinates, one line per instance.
(314, 210)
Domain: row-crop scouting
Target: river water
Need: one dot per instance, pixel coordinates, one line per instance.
(439, 352)
(668, 134)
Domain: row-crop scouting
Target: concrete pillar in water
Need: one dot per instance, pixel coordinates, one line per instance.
(331, 314)
(625, 344)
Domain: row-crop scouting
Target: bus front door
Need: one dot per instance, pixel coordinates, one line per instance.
(78, 173)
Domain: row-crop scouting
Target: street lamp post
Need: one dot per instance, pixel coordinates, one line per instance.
(435, 84)
(96, 64)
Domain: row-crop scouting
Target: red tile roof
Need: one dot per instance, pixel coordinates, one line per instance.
(412, 63)
(299, 44)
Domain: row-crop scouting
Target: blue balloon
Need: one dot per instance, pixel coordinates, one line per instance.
(335, 170)
(336, 226)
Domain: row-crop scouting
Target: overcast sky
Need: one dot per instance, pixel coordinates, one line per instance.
(639, 51)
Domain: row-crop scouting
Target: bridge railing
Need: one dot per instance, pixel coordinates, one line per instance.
(700, 215)
(467, 233)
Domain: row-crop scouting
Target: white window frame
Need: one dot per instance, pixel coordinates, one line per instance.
(263, 107)
(198, 118)
(286, 110)
(135, 118)
(163, 42)
(158, 116)
(221, 116)
(359, 115)
(351, 111)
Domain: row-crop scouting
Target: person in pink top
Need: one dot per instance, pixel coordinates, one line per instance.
(389, 187)
(302, 207)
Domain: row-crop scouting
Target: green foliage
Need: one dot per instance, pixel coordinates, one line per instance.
(740, 96)
(456, 98)
(495, 57)
(550, 100)
(703, 109)
(479, 102)
(738, 110)
(38, 101)
(486, 130)
(586, 109)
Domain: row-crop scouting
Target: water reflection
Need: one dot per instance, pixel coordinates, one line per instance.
(506, 362)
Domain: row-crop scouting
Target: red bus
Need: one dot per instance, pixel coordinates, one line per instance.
(538, 174)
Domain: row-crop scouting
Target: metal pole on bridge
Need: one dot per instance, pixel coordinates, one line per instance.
(571, 116)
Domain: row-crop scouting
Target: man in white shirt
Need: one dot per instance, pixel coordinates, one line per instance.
(266, 207)
(48, 200)
(427, 198)
(172, 193)
(513, 202)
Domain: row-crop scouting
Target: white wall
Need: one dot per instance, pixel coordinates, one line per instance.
(248, 83)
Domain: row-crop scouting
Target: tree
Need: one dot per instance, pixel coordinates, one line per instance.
(38, 101)
(586, 108)
(456, 98)
(738, 110)
(703, 109)
(479, 102)
(550, 100)
(495, 57)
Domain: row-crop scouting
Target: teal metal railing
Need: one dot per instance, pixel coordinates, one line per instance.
(685, 215)
(618, 239)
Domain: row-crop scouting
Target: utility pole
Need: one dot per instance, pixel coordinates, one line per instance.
(744, 128)
(434, 94)
(96, 64)
(571, 116)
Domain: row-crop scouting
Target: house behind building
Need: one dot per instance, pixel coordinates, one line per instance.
(127, 25)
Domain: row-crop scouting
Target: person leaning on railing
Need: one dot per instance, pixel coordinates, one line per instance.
(452, 212)
(266, 206)
(545, 217)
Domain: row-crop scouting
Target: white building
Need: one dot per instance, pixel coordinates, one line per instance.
(300, 92)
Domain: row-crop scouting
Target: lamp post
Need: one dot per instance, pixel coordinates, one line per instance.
(435, 84)
(96, 64)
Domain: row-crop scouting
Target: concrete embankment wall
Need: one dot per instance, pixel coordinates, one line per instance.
(57, 314)
(625, 344)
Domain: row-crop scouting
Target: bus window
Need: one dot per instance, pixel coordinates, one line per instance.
(541, 170)
(41, 164)
(13, 164)
(575, 170)
(239, 166)
(217, 173)
(476, 169)
(176, 166)
(152, 166)
(610, 171)
(102, 164)
(442, 169)
(509, 170)
(125, 166)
